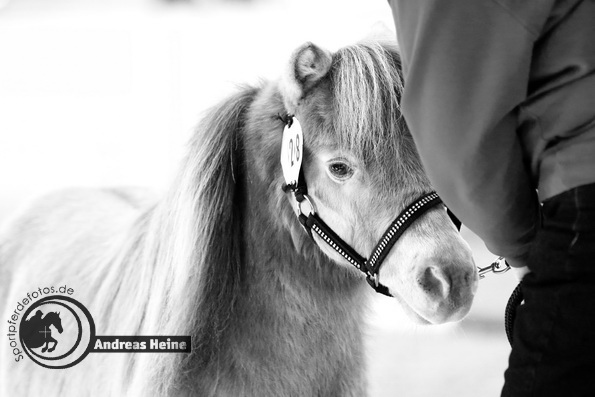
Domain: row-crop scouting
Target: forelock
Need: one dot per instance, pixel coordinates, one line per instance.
(367, 84)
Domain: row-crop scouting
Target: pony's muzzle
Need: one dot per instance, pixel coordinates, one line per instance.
(448, 291)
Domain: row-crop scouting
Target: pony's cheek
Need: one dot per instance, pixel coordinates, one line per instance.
(338, 220)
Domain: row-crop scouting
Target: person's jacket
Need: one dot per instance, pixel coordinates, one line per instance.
(500, 99)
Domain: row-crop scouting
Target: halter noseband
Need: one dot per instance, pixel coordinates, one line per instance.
(312, 223)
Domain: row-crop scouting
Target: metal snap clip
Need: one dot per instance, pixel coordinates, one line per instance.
(499, 266)
(309, 202)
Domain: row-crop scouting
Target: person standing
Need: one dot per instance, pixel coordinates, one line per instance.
(500, 99)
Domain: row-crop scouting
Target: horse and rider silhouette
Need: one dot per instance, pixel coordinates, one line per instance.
(36, 331)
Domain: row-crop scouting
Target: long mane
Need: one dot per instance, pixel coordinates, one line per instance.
(196, 231)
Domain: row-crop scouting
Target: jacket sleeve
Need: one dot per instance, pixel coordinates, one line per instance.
(466, 66)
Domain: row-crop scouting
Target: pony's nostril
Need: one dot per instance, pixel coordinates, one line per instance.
(447, 289)
(435, 282)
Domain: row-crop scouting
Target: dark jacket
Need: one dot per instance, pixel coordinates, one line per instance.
(500, 98)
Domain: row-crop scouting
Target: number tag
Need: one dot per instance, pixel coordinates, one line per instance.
(292, 151)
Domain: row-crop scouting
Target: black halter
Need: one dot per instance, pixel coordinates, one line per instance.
(370, 267)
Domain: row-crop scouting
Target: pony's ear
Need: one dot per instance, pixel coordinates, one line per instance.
(307, 65)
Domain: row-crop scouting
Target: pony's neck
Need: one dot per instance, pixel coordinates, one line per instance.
(284, 271)
(295, 318)
(233, 268)
(296, 313)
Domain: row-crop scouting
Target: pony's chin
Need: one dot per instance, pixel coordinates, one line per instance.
(411, 314)
(435, 318)
(452, 316)
(416, 318)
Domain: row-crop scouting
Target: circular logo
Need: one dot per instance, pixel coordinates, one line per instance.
(57, 332)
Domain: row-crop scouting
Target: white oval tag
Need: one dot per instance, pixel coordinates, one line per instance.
(292, 150)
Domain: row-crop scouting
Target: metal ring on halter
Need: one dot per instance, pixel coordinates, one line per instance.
(310, 203)
(374, 277)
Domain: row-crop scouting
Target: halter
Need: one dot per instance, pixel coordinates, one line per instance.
(312, 223)
(296, 183)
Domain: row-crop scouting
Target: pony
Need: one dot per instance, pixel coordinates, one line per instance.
(221, 256)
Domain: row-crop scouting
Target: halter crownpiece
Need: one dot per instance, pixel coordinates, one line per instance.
(312, 223)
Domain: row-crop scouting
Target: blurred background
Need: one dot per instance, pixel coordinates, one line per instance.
(107, 92)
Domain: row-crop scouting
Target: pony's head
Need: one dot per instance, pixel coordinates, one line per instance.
(362, 169)
(53, 318)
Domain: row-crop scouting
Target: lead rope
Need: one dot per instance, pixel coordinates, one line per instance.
(513, 304)
(516, 299)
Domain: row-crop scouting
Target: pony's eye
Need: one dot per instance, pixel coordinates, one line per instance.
(340, 170)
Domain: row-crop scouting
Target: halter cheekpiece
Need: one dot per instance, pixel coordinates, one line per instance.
(312, 223)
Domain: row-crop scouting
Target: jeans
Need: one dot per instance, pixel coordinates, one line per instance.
(553, 352)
